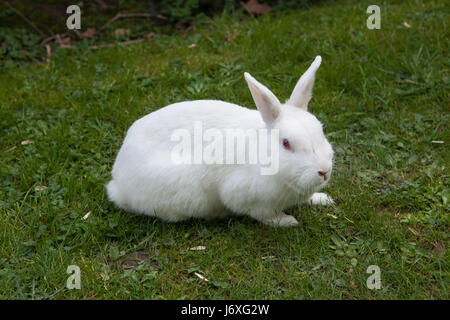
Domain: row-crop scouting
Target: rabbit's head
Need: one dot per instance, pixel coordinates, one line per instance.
(306, 156)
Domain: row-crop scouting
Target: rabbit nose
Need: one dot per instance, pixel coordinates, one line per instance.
(323, 174)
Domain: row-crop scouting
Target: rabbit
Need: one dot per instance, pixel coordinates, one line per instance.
(146, 180)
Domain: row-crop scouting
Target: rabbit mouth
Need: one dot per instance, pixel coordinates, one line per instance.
(306, 184)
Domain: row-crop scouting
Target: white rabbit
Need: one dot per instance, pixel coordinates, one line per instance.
(146, 180)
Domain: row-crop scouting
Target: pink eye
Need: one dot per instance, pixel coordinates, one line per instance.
(286, 144)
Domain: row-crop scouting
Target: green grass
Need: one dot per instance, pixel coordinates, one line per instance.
(382, 94)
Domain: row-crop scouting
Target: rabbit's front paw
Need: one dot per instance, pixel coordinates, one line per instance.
(282, 220)
(319, 198)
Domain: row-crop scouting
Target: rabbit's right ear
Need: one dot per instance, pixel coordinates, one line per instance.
(268, 105)
(303, 89)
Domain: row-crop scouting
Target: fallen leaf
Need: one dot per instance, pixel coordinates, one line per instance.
(332, 215)
(198, 248)
(192, 45)
(150, 35)
(414, 231)
(348, 219)
(89, 33)
(411, 81)
(406, 24)
(255, 7)
(230, 37)
(121, 32)
(439, 248)
(86, 215)
(39, 188)
(11, 149)
(25, 142)
(317, 267)
(200, 276)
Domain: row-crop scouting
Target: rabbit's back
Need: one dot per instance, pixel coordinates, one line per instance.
(211, 113)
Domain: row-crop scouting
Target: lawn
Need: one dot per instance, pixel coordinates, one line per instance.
(382, 95)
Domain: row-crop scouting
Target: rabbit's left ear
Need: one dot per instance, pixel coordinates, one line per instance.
(303, 89)
(267, 103)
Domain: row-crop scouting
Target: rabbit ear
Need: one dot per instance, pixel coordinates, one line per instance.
(268, 105)
(303, 89)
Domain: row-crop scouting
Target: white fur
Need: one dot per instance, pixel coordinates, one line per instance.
(320, 198)
(145, 180)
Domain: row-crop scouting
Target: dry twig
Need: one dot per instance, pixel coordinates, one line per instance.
(48, 48)
(102, 4)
